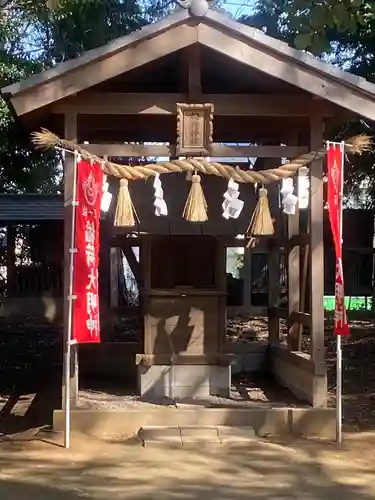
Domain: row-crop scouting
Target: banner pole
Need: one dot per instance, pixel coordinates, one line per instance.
(338, 390)
(338, 337)
(70, 298)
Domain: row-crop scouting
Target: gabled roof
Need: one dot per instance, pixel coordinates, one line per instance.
(31, 207)
(215, 30)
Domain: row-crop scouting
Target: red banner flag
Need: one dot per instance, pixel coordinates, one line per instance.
(341, 319)
(86, 324)
(335, 163)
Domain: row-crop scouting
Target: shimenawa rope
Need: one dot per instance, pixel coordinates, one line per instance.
(47, 140)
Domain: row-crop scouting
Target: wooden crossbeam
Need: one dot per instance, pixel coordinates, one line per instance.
(219, 150)
(295, 317)
(116, 103)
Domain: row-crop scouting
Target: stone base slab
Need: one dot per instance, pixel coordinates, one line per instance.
(108, 424)
(190, 436)
(297, 372)
(183, 381)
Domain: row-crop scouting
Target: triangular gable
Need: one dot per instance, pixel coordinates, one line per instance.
(216, 31)
(103, 63)
(253, 48)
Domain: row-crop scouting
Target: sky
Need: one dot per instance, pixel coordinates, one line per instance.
(239, 7)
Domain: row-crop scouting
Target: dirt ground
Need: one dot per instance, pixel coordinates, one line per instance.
(358, 363)
(43, 470)
(31, 367)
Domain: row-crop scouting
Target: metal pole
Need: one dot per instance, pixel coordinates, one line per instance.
(339, 391)
(67, 357)
(338, 337)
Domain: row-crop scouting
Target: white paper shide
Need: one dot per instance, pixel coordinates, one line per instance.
(106, 196)
(159, 202)
(289, 200)
(232, 206)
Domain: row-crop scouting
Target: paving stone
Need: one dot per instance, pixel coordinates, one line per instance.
(235, 435)
(159, 435)
(199, 434)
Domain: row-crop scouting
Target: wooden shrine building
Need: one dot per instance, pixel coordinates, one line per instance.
(120, 101)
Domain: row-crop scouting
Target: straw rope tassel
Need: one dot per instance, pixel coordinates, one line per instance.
(261, 222)
(125, 212)
(196, 205)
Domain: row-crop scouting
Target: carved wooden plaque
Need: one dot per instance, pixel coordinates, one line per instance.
(194, 129)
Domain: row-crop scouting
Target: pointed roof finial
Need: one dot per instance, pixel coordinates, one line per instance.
(197, 8)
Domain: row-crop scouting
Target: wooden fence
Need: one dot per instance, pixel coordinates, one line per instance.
(358, 274)
(37, 279)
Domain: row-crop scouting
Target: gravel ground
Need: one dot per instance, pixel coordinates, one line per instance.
(31, 358)
(246, 391)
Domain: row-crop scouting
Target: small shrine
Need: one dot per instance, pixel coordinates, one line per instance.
(166, 112)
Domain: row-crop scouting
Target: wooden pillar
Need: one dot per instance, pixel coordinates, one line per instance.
(273, 259)
(247, 280)
(145, 260)
(220, 281)
(273, 292)
(373, 267)
(293, 265)
(146, 344)
(316, 240)
(104, 257)
(104, 264)
(194, 72)
(11, 259)
(70, 124)
(114, 274)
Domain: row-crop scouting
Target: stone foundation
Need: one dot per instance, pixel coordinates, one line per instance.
(305, 379)
(110, 424)
(247, 356)
(184, 381)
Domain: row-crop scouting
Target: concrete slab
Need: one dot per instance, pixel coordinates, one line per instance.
(200, 434)
(235, 436)
(308, 422)
(195, 435)
(186, 381)
(159, 435)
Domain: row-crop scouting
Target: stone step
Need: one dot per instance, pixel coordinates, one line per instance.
(195, 435)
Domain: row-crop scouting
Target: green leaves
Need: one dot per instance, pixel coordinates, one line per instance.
(76, 26)
(303, 40)
(34, 36)
(346, 28)
(313, 22)
(318, 18)
(317, 43)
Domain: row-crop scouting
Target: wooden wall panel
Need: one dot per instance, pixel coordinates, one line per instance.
(159, 128)
(182, 325)
(184, 261)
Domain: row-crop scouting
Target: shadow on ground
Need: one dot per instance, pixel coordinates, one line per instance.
(30, 373)
(262, 470)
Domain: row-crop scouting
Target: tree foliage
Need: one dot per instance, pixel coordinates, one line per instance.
(316, 22)
(342, 32)
(37, 34)
(313, 25)
(34, 37)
